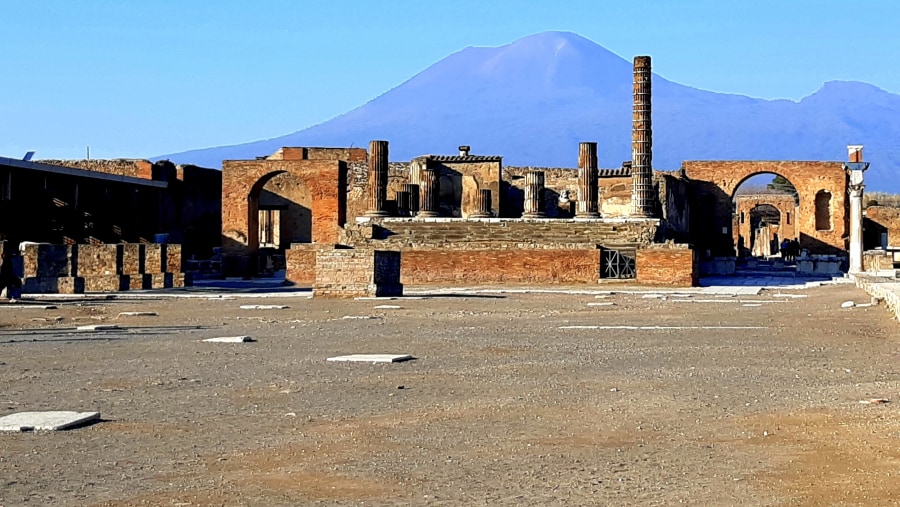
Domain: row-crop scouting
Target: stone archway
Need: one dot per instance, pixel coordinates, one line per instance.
(715, 184)
(243, 182)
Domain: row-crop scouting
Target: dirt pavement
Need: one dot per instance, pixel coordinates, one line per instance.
(514, 399)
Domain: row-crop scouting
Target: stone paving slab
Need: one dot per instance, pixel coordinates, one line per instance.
(230, 339)
(46, 421)
(372, 358)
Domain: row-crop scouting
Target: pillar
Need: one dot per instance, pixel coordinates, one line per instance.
(856, 167)
(534, 195)
(403, 203)
(642, 198)
(378, 178)
(429, 187)
(483, 204)
(588, 200)
(413, 190)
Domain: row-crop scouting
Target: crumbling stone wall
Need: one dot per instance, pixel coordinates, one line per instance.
(614, 190)
(71, 269)
(881, 219)
(715, 182)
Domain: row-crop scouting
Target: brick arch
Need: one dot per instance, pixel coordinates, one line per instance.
(715, 183)
(745, 205)
(243, 180)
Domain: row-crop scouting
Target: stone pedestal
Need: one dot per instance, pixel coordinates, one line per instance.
(378, 178)
(429, 188)
(483, 203)
(534, 195)
(413, 190)
(643, 200)
(346, 273)
(588, 202)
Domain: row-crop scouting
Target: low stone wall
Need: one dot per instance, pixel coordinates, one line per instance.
(72, 269)
(820, 265)
(347, 273)
(886, 289)
(718, 266)
(491, 266)
(877, 260)
(667, 264)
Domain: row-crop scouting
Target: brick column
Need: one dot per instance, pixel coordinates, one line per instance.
(413, 190)
(642, 199)
(484, 204)
(587, 181)
(534, 195)
(378, 178)
(429, 187)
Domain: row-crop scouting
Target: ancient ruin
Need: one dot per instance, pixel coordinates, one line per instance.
(443, 218)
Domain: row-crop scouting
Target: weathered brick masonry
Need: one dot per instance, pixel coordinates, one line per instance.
(343, 272)
(514, 265)
(715, 183)
(672, 265)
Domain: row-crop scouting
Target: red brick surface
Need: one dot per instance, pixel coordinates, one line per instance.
(677, 267)
(716, 182)
(474, 267)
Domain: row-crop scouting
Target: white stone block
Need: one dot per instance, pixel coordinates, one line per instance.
(230, 339)
(264, 307)
(46, 421)
(372, 358)
(97, 327)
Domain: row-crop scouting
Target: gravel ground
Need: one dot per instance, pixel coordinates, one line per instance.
(509, 401)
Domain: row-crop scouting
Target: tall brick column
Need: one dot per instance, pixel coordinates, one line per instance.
(483, 203)
(429, 187)
(378, 178)
(413, 190)
(642, 199)
(534, 195)
(587, 181)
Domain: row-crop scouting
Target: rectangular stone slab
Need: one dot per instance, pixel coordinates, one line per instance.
(372, 358)
(230, 339)
(46, 421)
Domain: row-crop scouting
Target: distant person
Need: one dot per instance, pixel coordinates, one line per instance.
(9, 282)
(785, 247)
(795, 249)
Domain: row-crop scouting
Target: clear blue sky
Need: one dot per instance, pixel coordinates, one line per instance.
(147, 77)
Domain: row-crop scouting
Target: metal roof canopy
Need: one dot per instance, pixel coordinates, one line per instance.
(82, 173)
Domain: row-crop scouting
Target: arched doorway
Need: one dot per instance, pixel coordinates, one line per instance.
(715, 185)
(278, 214)
(766, 212)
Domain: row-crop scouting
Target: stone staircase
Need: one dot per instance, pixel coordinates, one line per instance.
(755, 267)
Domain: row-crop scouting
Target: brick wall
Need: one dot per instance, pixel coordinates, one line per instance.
(300, 261)
(473, 267)
(343, 273)
(715, 182)
(324, 180)
(669, 265)
(882, 219)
